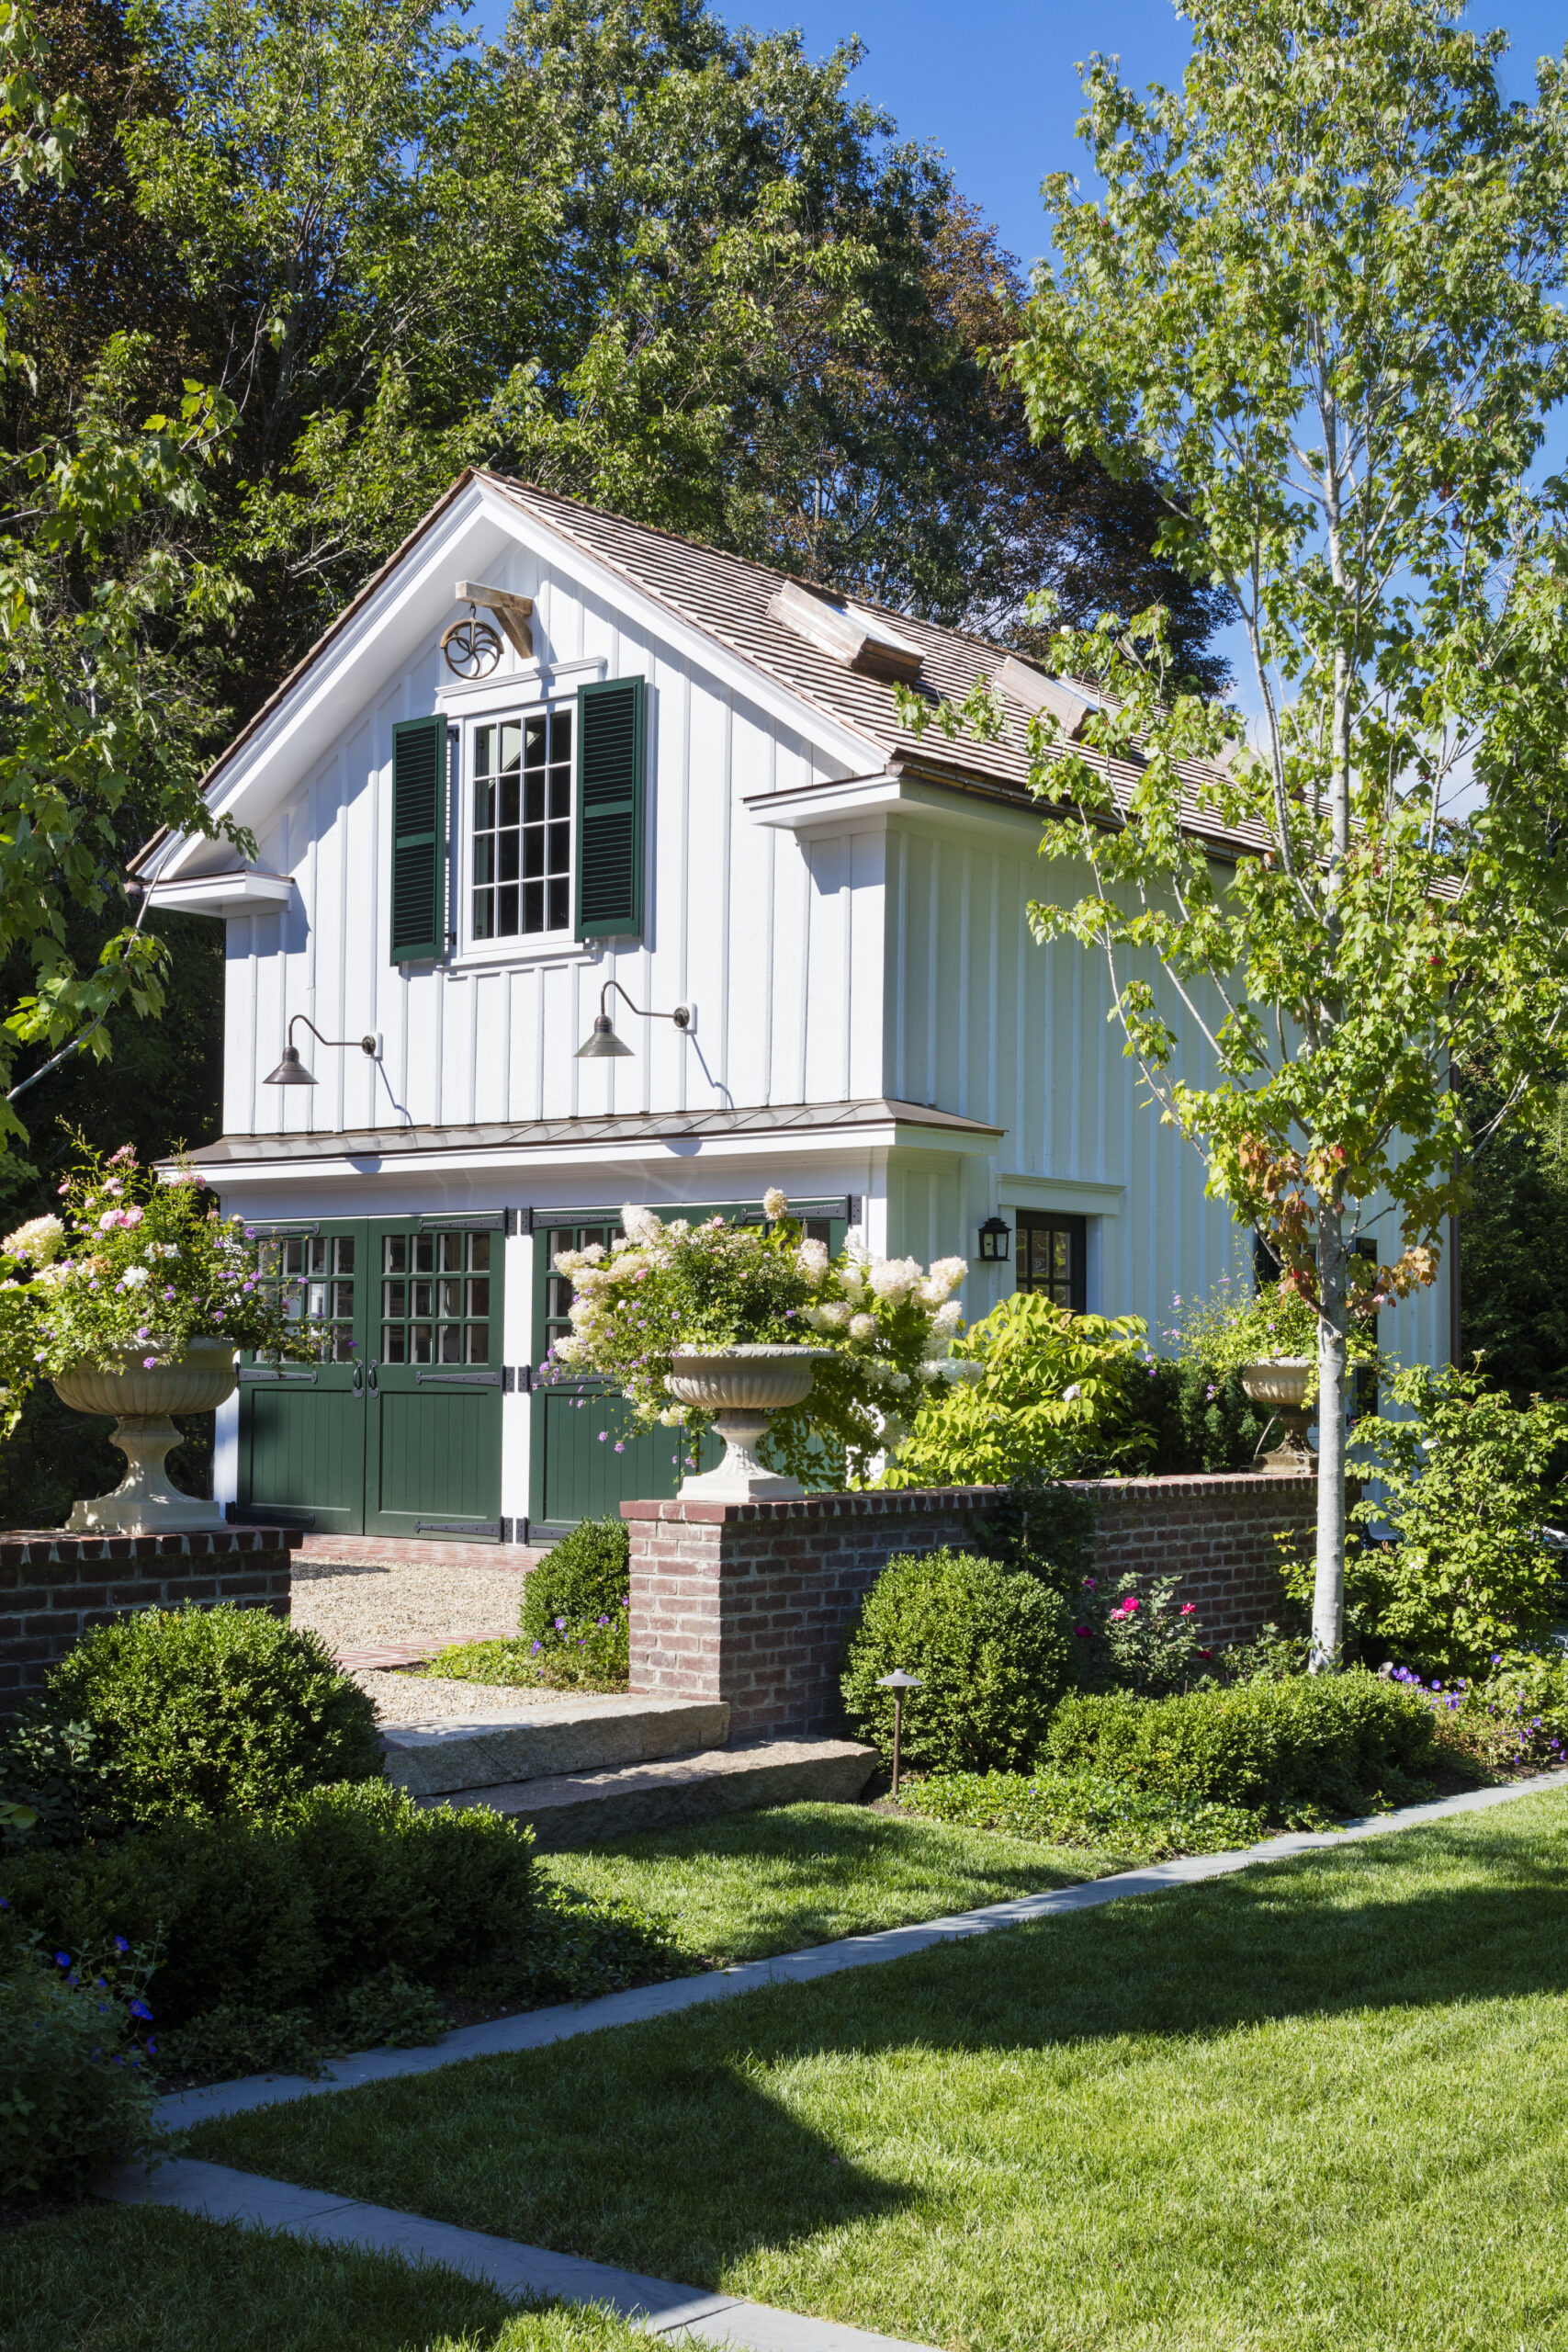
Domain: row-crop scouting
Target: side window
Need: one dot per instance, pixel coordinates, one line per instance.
(435, 1299)
(522, 829)
(1052, 1254)
(313, 1276)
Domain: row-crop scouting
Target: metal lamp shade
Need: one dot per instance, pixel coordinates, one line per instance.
(604, 1045)
(290, 1071)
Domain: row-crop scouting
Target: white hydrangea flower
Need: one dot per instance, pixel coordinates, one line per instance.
(946, 1276)
(862, 1327)
(834, 1315)
(812, 1259)
(673, 1416)
(894, 1278)
(947, 1318)
(852, 1278)
(38, 1241)
(640, 1224)
(774, 1204)
(133, 1278)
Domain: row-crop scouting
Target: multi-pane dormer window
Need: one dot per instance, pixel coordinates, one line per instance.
(522, 827)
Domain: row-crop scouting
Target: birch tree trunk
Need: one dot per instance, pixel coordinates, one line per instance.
(1329, 1589)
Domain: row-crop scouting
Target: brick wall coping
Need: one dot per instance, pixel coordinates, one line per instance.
(39, 1548)
(906, 1502)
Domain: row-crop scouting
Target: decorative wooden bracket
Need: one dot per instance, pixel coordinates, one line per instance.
(513, 612)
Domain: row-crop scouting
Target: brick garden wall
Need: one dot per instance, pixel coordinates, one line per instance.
(752, 1602)
(55, 1586)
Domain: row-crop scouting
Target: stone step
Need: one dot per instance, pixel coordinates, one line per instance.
(575, 1808)
(545, 1740)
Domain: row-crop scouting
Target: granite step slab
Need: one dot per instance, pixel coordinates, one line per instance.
(543, 1741)
(574, 1809)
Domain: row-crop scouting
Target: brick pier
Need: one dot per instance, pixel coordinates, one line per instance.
(753, 1602)
(55, 1586)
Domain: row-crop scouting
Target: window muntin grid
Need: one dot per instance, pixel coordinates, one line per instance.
(522, 826)
(435, 1297)
(1049, 1259)
(314, 1276)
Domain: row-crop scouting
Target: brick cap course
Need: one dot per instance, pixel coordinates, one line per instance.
(908, 1502)
(40, 1547)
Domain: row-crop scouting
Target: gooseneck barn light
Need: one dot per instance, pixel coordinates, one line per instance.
(601, 1045)
(291, 1070)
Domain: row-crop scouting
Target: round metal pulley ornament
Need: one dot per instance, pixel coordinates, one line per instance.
(471, 646)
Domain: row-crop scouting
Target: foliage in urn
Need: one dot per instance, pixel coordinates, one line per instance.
(663, 1287)
(128, 1274)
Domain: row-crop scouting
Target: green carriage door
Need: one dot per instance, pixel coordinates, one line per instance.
(434, 1381)
(583, 1459)
(302, 1424)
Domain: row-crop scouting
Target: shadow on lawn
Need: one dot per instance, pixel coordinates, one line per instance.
(679, 2146)
(839, 1847)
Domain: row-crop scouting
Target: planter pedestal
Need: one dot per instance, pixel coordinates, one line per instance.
(1280, 1383)
(743, 1387)
(144, 1503)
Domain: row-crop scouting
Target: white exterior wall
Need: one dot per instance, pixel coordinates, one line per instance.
(983, 1020)
(736, 917)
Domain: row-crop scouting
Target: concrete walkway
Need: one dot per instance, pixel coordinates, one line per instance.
(222, 2193)
(219, 2193)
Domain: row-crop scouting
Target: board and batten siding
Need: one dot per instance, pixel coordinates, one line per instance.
(983, 1020)
(736, 916)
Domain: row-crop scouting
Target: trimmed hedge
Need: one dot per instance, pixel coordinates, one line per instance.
(350, 1882)
(190, 1711)
(989, 1645)
(1324, 1740)
(574, 1631)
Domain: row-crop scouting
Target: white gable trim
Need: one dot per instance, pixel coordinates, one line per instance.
(399, 622)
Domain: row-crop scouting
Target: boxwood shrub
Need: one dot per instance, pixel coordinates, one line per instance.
(573, 1625)
(1324, 1739)
(990, 1646)
(192, 1711)
(296, 1910)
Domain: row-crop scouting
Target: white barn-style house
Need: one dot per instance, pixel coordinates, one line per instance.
(550, 763)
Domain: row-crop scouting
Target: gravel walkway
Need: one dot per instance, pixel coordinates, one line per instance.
(353, 1607)
(429, 1699)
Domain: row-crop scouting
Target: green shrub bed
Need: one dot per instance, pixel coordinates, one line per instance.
(990, 1646)
(341, 1916)
(1082, 1809)
(187, 1712)
(1331, 1741)
(76, 2089)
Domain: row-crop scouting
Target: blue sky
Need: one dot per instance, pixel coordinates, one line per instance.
(995, 85)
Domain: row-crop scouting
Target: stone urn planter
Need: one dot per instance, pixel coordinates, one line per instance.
(742, 1387)
(1280, 1383)
(144, 1503)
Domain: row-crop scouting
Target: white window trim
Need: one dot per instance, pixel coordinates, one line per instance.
(527, 947)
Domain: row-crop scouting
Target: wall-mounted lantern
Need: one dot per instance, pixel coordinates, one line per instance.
(291, 1070)
(996, 1241)
(602, 1045)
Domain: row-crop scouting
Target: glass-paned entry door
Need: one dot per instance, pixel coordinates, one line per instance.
(392, 1426)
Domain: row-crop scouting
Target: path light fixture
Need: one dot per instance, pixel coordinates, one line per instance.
(897, 1682)
(291, 1070)
(601, 1045)
(995, 1240)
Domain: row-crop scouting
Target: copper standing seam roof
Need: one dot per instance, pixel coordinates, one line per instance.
(727, 597)
(802, 1120)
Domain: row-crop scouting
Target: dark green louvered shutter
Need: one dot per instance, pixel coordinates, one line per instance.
(419, 840)
(609, 809)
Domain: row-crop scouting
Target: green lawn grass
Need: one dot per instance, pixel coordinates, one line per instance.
(113, 2278)
(754, 1883)
(1319, 2107)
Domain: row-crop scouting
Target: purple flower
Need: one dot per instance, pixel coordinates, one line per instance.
(560, 1624)
(120, 1944)
(141, 2009)
(62, 1960)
